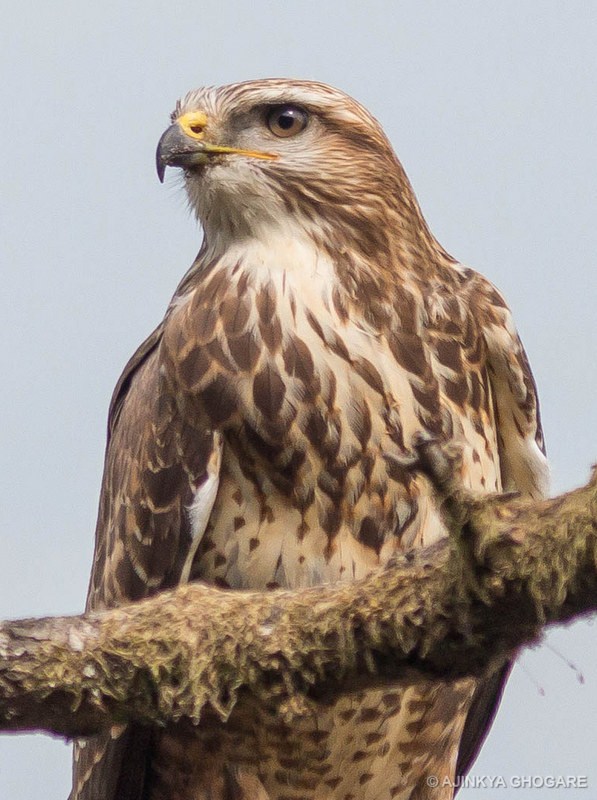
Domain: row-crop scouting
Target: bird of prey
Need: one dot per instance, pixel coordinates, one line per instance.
(264, 435)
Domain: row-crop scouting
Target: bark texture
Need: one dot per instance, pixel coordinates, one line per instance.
(510, 567)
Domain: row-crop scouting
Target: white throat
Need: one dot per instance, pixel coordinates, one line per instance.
(274, 250)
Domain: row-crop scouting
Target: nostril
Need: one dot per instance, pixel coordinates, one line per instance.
(196, 128)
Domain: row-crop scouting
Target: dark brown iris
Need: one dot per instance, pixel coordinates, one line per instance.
(286, 121)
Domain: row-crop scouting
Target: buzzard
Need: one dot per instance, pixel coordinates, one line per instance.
(264, 434)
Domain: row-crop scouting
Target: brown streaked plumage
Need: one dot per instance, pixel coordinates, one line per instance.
(263, 435)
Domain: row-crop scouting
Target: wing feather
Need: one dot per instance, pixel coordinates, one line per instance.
(143, 535)
(523, 467)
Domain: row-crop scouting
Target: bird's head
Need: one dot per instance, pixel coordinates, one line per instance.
(288, 153)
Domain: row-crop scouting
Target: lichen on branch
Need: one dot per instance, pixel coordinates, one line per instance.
(457, 608)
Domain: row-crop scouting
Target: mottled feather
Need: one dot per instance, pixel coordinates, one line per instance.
(321, 330)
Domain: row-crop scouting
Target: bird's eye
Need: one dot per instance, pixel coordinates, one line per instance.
(285, 121)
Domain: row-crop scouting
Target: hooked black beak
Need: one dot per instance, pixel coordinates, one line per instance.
(176, 149)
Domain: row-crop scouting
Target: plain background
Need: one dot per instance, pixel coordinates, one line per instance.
(492, 109)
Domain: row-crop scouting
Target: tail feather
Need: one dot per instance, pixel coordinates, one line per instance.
(113, 765)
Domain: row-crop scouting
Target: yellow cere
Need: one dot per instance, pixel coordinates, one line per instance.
(193, 123)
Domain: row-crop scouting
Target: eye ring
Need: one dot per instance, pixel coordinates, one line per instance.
(286, 121)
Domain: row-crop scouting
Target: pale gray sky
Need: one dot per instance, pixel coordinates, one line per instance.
(490, 106)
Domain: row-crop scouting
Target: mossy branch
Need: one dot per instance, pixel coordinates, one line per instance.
(510, 567)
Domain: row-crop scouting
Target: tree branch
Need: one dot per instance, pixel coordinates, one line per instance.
(510, 567)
